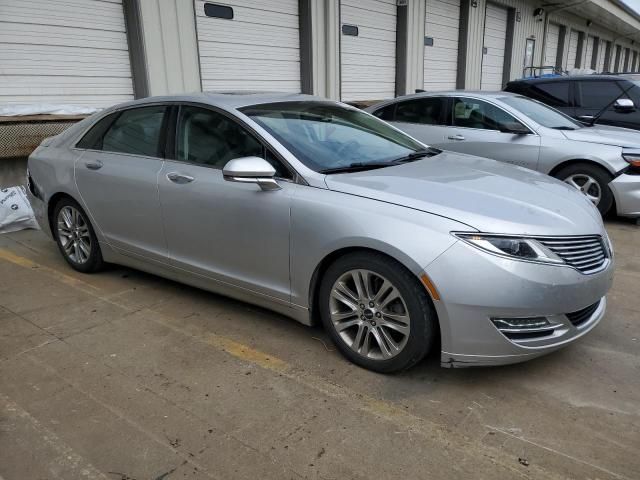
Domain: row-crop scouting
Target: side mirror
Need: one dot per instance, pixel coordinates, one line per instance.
(251, 170)
(624, 105)
(514, 127)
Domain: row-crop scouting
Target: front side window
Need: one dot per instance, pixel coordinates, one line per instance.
(472, 113)
(136, 131)
(426, 111)
(541, 113)
(596, 95)
(326, 136)
(210, 138)
(386, 113)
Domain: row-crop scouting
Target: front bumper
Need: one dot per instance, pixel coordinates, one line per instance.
(626, 191)
(475, 287)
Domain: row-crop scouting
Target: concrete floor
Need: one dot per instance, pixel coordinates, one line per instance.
(122, 375)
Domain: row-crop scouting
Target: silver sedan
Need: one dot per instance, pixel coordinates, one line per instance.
(323, 212)
(602, 162)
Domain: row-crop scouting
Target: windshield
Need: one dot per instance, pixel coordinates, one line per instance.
(541, 113)
(325, 136)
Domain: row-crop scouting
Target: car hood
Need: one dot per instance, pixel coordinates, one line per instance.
(481, 193)
(605, 135)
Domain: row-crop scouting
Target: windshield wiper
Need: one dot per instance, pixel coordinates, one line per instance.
(355, 167)
(428, 152)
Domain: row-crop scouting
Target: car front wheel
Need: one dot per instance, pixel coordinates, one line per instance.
(377, 313)
(592, 181)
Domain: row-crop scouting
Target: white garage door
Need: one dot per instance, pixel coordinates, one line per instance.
(249, 45)
(551, 49)
(573, 50)
(72, 52)
(495, 36)
(588, 57)
(442, 24)
(368, 49)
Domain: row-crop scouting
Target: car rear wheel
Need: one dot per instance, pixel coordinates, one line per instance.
(377, 313)
(592, 181)
(75, 237)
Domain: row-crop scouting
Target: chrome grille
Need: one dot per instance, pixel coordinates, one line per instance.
(586, 254)
(581, 316)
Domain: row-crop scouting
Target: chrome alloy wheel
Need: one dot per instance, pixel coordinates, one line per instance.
(587, 185)
(369, 314)
(73, 232)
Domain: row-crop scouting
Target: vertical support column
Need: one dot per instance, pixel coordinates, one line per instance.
(320, 47)
(593, 61)
(508, 47)
(474, 44)
(166, 33)
(581, 50)
(560, 53)
(607, 57)
(463, 38)
(137, 54)
(410, 46)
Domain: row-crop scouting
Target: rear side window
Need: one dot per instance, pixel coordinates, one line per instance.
(472, 113)
(93, 138)
(425, 111)
(136, 131)
(597, 94)
(554, 94)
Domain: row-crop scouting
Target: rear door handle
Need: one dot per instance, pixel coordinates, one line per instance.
(180, 178)
(456, 137)
(96, 165)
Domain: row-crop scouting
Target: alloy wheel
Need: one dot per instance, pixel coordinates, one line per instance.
(587, 185)
(369, 314)
(74, 235)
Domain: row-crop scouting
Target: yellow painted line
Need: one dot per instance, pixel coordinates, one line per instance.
(24, 262)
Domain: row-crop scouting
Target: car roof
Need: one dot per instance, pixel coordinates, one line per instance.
(226, 99)
(567, 78)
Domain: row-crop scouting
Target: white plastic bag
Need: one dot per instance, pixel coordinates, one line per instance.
(15, 211)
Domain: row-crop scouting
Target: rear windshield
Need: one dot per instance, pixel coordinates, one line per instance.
(541, 113)
(325, 135)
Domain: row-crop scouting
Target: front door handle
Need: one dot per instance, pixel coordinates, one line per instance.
(95, 165)
(458, 138)
(180, 178)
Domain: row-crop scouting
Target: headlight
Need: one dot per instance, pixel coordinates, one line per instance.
(633, 159)
(517, 248)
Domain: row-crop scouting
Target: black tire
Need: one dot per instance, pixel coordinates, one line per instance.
(599, 174)
(423, 326)
(93, 262)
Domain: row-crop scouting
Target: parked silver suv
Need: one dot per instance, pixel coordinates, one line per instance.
(600, 161)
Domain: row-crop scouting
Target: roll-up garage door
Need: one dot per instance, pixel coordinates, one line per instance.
(442, 25)
(588, 57)
(73, 52)
(573, 49)
(249, 45)
(495, 36)
(367, 49)
(551, 48)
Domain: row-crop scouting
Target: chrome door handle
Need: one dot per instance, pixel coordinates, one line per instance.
(97, 165)
(456, 137)
(180, 178)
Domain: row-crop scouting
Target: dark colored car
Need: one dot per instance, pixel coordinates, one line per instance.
(613, 99)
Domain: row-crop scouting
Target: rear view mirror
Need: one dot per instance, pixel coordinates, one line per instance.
(251, 170)
(514, 127)
(624, 105)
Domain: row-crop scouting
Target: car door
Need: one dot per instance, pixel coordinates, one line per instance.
(475, 129)
(117, 177)
(593, 95)
(232, 232)
(422, 118)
